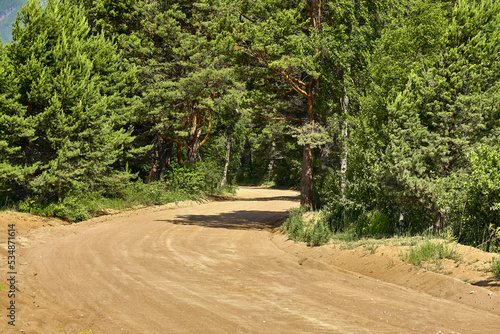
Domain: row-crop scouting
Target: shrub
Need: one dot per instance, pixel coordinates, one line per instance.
(194, 180)
(314, 232)
(375, 222)
(318, 233)
(495, 267)
(79, 206)
(294, 225)
(429, 252)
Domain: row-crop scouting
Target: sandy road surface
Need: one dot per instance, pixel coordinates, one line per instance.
(211, 268)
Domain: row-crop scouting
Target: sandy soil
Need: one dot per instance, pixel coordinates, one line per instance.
(222, 267)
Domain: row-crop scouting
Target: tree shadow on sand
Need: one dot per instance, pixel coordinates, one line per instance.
(241, 220)
(488, 284)
(265, 199)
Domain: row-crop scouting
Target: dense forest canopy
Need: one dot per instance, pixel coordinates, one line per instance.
(384, 113)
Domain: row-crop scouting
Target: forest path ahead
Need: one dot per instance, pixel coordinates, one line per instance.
(217, 267)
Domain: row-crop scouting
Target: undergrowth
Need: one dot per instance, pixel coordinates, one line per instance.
(429, 252)
(314, 231)
(424, 251)
(79, 206)
(495, 267)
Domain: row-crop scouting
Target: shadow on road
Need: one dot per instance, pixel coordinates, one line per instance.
(265, 199)
(487, 284)
(241, 220)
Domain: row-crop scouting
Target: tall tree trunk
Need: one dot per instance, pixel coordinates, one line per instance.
(155, 155)
(166, 158)
(179, 151)
(192, 154)
(161, 155)
(193, 141)
(306, 188)
(324, 157)
(345, 112)
(438, 222)
(270, 169)
(226, 165)
(343, 159)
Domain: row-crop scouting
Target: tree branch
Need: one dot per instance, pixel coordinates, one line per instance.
(208, 131)
(246, 17)
(281, 118)
(174, 140)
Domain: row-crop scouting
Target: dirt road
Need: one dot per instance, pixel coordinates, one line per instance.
(212, 268)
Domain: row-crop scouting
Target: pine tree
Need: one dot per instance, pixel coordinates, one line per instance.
(143, 35)
(412, 37)
(307, 52)
(73, 91)
(200, 80)
(14, 129)
(280, 38)
(182, 78)
(447, 109)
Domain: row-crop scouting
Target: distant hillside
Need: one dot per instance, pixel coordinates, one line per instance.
(8, 14)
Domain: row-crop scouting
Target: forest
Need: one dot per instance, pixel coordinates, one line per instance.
(383, 113)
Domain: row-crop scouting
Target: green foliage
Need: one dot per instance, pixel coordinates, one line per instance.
(475, 201)
(294, 225)
(153, 193)
(79, 206)
(430, 106)
(318, 234)
(406, 92)
(314, 232)
(187, 88)
(269, 155)
(446, 109)
(430, 252)
(70, 209)
(376, 223)
(495, 267)
(62, 127)
(195, 180)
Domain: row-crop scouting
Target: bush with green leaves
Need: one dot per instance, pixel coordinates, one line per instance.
(195, 180)
(318, 232)
(71, 208)
(294, 225)
(375, 223)
(474, 201)
(314, 232)
(79, 206)
(495, 267)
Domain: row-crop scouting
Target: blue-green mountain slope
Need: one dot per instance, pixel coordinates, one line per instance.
(8, 14)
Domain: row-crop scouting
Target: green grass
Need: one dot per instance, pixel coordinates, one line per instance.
(85, 205)
(316, 231)
(370, 247)
(406, 240)
(495, 267)
(429, 252)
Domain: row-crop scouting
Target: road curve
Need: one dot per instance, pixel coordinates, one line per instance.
(212, 268)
